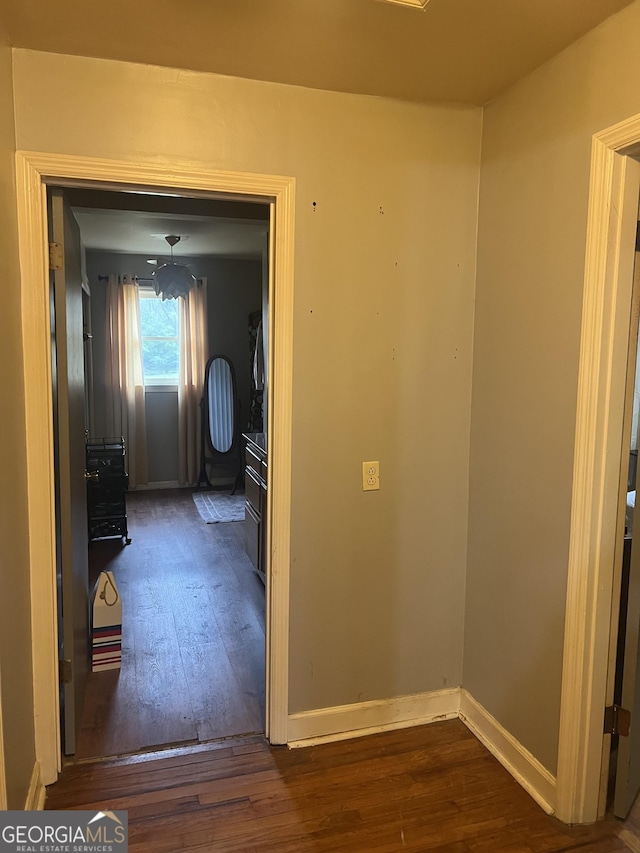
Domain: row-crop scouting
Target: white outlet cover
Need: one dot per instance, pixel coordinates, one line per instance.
(370, 476)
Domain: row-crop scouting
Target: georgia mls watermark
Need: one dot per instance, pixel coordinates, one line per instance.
(63, 832)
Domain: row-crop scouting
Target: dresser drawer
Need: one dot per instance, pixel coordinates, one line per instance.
(252, 489)
(252, 458)
(252, 534)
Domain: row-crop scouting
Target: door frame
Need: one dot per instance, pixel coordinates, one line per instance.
(3, 776)
(590, 611)
(34, 172)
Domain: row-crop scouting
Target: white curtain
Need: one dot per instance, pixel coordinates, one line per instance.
(194, 348)
(125, 413)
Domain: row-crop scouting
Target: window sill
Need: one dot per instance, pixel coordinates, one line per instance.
(160, 389)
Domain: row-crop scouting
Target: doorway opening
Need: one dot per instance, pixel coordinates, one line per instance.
(191, 662)
(621, 749)
(36, 171)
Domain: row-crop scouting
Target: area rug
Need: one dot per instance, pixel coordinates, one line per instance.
(214, 507)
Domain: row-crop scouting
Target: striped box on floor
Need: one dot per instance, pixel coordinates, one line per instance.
(106, 625)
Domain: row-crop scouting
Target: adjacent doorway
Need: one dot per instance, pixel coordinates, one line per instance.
(595, 546)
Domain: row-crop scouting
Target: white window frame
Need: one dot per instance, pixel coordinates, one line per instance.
(154, 387)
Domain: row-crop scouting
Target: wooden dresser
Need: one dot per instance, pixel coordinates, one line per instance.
(255, 507)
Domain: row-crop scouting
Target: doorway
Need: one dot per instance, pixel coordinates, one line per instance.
(621, 747)
(193, 628)
(609, 259)
(34, 172)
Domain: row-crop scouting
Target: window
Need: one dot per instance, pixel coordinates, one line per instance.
(160, 330)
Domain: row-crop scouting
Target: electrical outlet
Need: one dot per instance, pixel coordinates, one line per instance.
(370, 476)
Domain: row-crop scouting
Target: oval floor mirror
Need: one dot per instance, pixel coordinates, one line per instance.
(220, 430)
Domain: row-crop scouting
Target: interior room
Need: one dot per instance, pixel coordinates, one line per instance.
(191, 664)
(454, 191)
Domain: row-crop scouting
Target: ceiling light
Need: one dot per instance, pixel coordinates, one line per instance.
(415, 4)
(172, 280)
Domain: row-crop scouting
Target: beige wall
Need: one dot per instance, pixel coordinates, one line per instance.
(234, 290)
(15, 619)
(382, 339)
(533, 210)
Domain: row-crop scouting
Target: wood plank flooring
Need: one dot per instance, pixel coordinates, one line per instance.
(193, 634)
(430, 788)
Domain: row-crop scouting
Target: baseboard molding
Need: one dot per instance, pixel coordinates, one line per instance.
(216, 482)
(363, 718)
(521, 764)
(161, 484)
(349, 721)
(37, 792)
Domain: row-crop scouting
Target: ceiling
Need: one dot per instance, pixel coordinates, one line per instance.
(141, 233)
(453, 51)
(137, 223)
(456, 51)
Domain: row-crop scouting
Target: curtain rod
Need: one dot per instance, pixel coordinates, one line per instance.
(136, 279)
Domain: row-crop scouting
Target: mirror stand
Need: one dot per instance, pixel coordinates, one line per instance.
(219, 423)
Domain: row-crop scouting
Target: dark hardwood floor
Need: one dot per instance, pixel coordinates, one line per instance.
(193, 635)
(430, 788)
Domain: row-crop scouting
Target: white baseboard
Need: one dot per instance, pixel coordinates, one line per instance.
(37, 792)
(363, 718)
(161, 484)
(217, 482)
(521, 764)
(349, 721)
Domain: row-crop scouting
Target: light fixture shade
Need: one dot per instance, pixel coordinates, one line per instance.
(416, 4)
(173, 280)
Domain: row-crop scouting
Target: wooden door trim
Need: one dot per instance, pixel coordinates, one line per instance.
(3, 772)
(613, 200)
(34, 171)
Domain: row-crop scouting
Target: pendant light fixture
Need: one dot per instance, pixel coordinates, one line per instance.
(172, 280)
